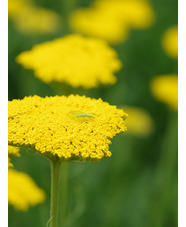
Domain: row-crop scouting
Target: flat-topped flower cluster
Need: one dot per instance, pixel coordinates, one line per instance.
(74, 60)
(22, 191)
(73, 127)
(112, 20)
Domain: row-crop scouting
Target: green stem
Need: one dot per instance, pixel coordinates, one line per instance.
(55, 181)
(64, 193)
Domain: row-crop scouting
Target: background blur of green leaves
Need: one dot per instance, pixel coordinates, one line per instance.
(137, 186)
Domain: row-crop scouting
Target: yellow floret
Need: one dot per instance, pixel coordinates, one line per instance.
(170, 42)
(48, 126)
(75, 60)
(22, 191)
(165, 89)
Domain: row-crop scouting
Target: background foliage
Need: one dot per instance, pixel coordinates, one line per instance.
(137, 186)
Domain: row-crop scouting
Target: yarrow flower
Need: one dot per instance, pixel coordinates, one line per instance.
(74, 60)
(70, 128)
(98, 23)
(112, 19)
(139, 122)
(170, 42)
(31, 19)
(165, 89)
(22, 191)
(135, 13)
(16, 7)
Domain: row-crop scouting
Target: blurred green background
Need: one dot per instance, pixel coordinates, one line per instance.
(137, 186)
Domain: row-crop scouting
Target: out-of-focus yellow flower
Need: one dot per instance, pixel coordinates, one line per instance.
(111, 19)
(12, 152)
(38, 20)
(135, 13)
(22, 191)
(170, 42)
(139, 122)
(74, 60)
(165, 89)
(71, 128)
(99, 23)
(31, 19)
(16, 7)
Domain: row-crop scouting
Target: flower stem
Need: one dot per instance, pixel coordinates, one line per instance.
(55, 181)
(64, 193)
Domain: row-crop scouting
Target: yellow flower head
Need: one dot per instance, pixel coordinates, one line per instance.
(99, 23)
(12, 152)
(31, 19)
(75, 60)
(170, 42)
(22, 191)
(139, 122)
(111, 19)
(38, 20)
(134, 13)
(165, 89)
(71, 128)
(16, 7)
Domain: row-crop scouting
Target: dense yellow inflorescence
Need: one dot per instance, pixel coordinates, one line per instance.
(139, 122)
(75, 60)
(31, 19)
(73, 127)
(170, 42)
(112, 19)
(12, 152)
(165, 89)
(22, 191)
